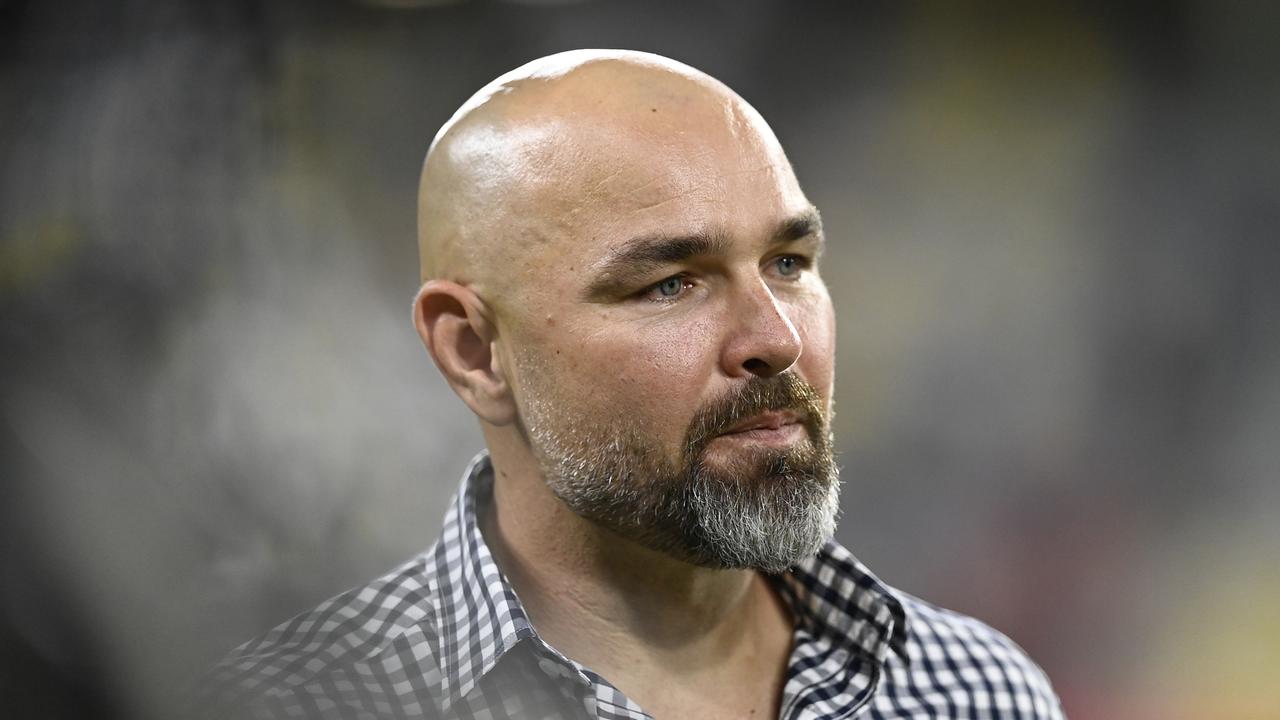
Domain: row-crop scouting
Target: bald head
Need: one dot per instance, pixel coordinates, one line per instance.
(613, 236)
(543, 153)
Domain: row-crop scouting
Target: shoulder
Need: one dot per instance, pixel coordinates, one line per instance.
(370, 647)
(954, 665)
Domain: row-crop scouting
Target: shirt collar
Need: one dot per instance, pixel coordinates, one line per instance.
(479, 619)
(834, 595)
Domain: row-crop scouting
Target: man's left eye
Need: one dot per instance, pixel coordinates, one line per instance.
(789, 265)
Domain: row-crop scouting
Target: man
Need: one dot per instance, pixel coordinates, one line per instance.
(621, 282)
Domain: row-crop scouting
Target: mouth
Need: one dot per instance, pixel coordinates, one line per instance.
(773, 427)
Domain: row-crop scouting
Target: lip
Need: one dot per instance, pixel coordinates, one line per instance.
(767, 421)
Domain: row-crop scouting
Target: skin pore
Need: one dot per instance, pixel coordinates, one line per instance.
(611, 238)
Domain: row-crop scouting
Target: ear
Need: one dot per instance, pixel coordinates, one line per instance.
(453, 324)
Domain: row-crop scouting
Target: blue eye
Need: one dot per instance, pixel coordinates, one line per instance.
(670, 287)
(667, 290)
(789, 265)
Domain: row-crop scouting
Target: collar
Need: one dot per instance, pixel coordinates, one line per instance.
(479, 618)
(834, 596)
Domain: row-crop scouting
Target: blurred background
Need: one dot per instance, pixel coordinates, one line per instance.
(1054, 260)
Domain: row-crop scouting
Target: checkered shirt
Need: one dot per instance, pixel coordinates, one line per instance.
(444, 636)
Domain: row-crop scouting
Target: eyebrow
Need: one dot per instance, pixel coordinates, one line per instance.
(802, 225)
(640, 256)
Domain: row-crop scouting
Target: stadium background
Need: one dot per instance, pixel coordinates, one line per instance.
(1053, 256)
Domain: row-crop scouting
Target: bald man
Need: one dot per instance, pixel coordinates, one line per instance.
(621, 280)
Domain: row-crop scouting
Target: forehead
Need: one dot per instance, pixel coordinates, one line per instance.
(656, 169)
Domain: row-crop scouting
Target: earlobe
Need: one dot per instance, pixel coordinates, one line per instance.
(451, 321)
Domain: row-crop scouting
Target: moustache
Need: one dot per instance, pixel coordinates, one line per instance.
(783, 392)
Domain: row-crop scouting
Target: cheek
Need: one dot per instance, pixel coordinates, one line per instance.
(653, 373)
(654, 362)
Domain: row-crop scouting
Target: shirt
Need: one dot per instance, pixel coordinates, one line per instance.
(445, 636)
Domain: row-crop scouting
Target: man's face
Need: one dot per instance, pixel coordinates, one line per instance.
(670, 341)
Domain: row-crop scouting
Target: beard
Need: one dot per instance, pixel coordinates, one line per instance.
(762, 508)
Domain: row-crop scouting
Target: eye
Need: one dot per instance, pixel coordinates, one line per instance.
(668, 288)
(789, 266)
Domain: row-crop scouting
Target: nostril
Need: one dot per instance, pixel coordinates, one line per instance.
(756, 366)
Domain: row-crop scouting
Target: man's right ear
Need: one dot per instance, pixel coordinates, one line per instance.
(453, 324)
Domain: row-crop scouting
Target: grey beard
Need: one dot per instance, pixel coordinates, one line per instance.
(768, 510)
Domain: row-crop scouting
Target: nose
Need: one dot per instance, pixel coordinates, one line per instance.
(763, 341)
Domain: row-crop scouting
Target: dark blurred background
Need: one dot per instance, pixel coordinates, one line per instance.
(1054, 259)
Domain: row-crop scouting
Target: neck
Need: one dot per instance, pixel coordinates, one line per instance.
(606, 601)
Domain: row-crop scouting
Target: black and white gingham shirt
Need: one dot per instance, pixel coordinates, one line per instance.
(444, 636)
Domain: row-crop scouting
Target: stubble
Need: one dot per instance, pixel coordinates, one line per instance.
(762, 508)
